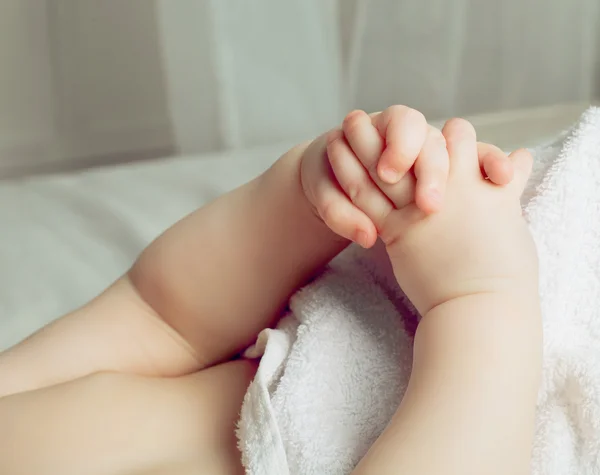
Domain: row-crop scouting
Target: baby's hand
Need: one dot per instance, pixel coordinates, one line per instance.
(394, 147)
(478, 243)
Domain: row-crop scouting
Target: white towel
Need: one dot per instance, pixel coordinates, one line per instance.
(333, 372)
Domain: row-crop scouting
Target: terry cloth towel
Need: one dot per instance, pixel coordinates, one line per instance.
(334, 371)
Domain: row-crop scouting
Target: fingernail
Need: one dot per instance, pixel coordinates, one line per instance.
(390, 175)
(362, 239)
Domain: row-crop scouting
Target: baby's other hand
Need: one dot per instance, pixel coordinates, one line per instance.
(477, 243)
(345, 174)
(398, 141)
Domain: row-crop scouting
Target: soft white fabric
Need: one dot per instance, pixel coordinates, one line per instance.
(333, 373)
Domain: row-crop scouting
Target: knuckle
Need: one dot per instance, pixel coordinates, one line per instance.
(436, 137)
(415, 116)
(353, 123)
(331, 213)
(354, 189)
(354, 115)
(352, 129)
(396, 109)
(406, 114)
(355, 184)
(379, 218)
(460, 127)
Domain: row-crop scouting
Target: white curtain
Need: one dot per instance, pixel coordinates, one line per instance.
(254, 72)
(242, 73)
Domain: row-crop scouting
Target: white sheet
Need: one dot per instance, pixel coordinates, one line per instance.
(64, 238)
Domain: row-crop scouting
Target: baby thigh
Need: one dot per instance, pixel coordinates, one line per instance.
(116, 424)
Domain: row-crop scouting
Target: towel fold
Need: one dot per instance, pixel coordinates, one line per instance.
(334, 371)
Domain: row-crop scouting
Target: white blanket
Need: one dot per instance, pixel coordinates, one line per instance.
(335, 369)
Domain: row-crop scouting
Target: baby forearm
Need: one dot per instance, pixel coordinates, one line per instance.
(470, 404)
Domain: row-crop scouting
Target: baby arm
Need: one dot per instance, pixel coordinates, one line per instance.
(471, 271)
(197, 295)
(470, 404)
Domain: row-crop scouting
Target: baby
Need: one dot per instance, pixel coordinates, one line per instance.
(162, 340)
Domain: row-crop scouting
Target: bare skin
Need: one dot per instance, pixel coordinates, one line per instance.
(115, 423)
(173, 316)
(472, 272)
(138, 325)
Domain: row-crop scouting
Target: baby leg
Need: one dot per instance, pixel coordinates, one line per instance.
(114, 424)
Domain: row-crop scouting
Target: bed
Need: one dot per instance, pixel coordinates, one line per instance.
(65, 237)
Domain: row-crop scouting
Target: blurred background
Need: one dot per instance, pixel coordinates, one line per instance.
(179, 101)
(87, 82)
